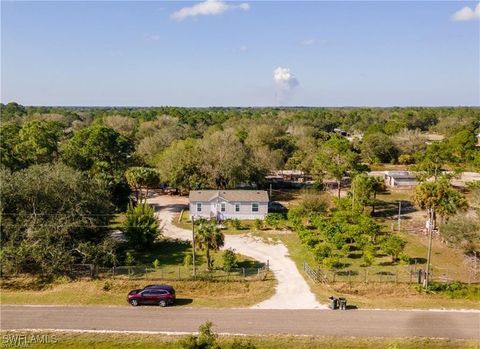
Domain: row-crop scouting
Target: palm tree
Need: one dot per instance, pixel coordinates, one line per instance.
(439, 197)
(209, 238)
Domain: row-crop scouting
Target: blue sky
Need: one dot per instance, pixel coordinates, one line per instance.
(225, 53)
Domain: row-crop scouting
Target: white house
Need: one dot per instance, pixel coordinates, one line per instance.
(228, 204)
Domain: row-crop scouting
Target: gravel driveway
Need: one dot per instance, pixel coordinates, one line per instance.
(292, 292)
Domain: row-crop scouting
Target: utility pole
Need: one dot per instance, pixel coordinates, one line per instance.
(399, 214)
(430, 237)
(193, 246)
(270, 191)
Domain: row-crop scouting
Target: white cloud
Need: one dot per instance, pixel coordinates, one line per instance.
(308, 42)
(207, 8)
(467, 14)
(285, 83)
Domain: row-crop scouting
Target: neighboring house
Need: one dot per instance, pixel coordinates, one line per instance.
(228, 204)
(287, 176)
(400, 179)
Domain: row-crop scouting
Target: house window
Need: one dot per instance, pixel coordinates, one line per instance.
(255, 207)
(199, 207)
(222, 207)
(237, 207)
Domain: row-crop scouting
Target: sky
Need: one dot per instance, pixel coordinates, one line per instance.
(253, 53)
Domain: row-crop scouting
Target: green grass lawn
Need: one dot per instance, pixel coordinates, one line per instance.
(171, 256)
(144, 341)
(211, 289)
(198, 293)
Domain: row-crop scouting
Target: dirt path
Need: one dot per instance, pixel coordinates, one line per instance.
(292, 292)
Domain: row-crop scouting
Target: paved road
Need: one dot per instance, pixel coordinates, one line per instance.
(358, 323)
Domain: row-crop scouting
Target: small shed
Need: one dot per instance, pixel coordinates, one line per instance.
(400, 179)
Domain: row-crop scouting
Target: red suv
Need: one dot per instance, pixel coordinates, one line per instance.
(162, 295)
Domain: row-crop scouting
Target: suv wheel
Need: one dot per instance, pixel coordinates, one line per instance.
(162, 303)
(134, 302)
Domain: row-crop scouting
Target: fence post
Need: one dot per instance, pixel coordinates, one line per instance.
(243, 272)
(179, 273)
(366, 271)
(268, 265)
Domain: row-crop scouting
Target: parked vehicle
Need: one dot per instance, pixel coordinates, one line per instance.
(161, 295)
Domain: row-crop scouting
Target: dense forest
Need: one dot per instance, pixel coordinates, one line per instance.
(66, 170)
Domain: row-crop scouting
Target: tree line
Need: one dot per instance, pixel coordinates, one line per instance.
(66, 171)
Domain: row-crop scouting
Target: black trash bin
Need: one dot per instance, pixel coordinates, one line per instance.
(333, 303)
(342, 303)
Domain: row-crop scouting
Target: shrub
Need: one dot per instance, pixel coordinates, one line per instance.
(322, 251)
(207, 339)
(235, 223)
(274, 219)
(129, 259)
(331, 262)
(393, 246)
(312, 204)
(229, 260)
(187, 261)
(404, 258)
(156, 264)
(141, 225)
(368, 255)
(241, 344)
(295, 215)
(258, 224)
(107, 286)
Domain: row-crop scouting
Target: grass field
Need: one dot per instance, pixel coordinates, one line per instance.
(110, 341)
(93, 292)
(446, 261)
(223, 290)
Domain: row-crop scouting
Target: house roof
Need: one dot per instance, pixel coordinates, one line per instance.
(400, 174)
(229, 195)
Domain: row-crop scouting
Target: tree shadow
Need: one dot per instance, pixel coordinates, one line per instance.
(386, 264)
(167, 251)
(388, 209)
(347, 273)
(250, 264)
(355, 255)
(417, 260)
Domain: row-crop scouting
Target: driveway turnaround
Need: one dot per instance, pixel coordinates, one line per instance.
(154, 319)
(292, 291)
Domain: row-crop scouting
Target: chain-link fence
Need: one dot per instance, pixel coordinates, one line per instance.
(401, 273)
(170, 272)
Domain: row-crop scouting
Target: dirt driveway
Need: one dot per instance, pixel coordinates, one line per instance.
(292, 292)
